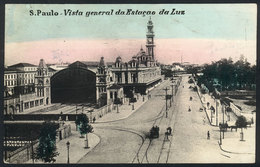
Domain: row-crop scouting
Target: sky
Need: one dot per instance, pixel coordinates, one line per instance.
(205, 33)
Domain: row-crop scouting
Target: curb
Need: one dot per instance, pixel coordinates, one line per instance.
(90, 149)
(204, 107)
(120, 118)
(230, 151)
(129, 114)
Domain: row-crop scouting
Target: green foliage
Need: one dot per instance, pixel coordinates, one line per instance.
(204, 89)
(85, 128)
(46, 149)
(81, 118)
(241, 122)
(192, 70)
(167, 72)
(83, 122)
(190, 81)
(229, 75)
(195, 88)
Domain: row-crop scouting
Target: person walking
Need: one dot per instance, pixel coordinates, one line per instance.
(208, 135)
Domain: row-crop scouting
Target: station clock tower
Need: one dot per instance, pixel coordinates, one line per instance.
(150, 39)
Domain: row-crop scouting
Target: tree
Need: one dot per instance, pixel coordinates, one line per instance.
(46, 149)
(241, 122)
(84, 126)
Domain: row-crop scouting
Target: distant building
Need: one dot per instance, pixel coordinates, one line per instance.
(177, 67)
(20, 91)
(58, 67)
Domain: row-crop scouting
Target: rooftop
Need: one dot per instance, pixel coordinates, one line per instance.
(22, 65)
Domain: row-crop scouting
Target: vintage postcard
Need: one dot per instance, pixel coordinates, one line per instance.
(130, 83)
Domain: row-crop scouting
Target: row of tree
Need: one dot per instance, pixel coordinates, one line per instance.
(47, 150)
(228, 75)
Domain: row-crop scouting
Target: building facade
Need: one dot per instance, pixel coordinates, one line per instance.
(22, 91)
(28, 87)
(142, 71)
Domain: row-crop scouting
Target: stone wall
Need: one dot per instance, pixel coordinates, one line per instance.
(98, 113)
(24, 154)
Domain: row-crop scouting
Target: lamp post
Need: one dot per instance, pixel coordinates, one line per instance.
(223, 108)
(220, 139)
(211, 115)
(68, 149)
(90, 111)
(216, 112)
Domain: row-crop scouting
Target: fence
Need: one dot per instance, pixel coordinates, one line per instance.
(24, 154)
(21, 154)
(98, 113)
(235, 109)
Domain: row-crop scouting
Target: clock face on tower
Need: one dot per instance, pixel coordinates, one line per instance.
(150, 40)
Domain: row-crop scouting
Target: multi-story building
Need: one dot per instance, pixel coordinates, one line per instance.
(28, 86)
(140, 73)
(21, 92)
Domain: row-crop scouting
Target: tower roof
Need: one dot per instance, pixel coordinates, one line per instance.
(150, 22)
(118, 59)
(102, 62)
(42, 64)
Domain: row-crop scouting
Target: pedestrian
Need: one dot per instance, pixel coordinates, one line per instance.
(169, 129)
(204, 121)
(208, 135)
(166, 134)
(94, 119)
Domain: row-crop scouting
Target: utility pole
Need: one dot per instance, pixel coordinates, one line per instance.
(172, 92)
(216, 112)
(210, 115)
(166, 89)
(223, 107)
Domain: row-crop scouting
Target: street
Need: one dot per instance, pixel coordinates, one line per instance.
(126, 141)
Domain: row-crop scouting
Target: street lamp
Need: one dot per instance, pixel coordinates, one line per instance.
(220, 139)
(68, 148)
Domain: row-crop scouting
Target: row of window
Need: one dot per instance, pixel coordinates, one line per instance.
(30, 69)
(20, 81)
(32, 104)
(102, 89)
(14, 76)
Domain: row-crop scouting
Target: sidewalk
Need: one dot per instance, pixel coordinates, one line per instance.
(124, 111)
(77, 150)
(232, 143)
(216, 117)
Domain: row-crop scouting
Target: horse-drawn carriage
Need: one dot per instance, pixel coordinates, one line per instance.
(154, 132)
